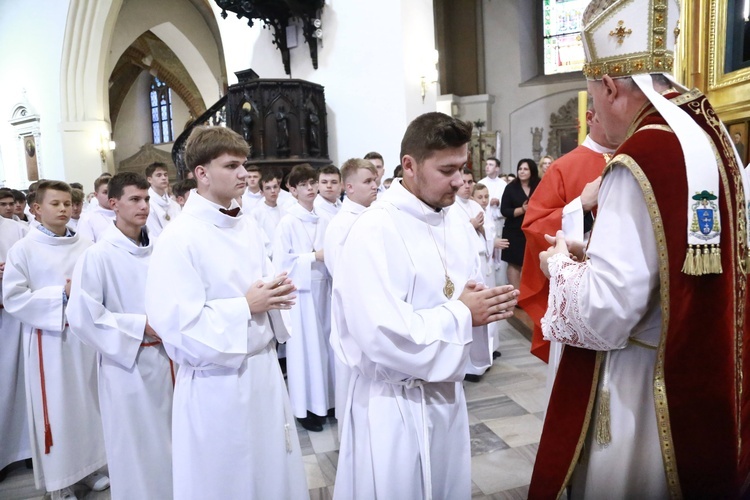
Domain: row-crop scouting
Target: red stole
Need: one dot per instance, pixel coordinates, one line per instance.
(701, 377)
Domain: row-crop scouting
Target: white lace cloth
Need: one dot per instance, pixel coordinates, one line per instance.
(564, 320)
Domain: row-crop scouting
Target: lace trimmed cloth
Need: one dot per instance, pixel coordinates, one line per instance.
(565, 320)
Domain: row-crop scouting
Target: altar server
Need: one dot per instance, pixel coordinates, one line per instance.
(107, 312)
(64, 419)
(233, 435)
(327, 202)
(163, 209)
(268, 213)
(99, 217)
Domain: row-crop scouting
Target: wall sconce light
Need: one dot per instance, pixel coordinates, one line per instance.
(431, 75)
(105, 146)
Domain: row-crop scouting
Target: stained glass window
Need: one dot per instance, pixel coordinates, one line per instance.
(563, 50)
(161, 112)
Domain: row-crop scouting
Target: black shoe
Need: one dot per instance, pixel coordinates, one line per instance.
(472, 378)
(29, 463)
(332, 412)
(282, 364)
(496, 354)
(316, 418)
(310, 424)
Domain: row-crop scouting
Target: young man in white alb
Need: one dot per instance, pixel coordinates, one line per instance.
(64, 419)
(268, 214)
(253, 195)
(181, 191)
(213, 298)
(163, 208)
(99, 217)
(298, 250)
(76, 209)
(327, 203)
(496, 186)
(359, 177)
(107, 311)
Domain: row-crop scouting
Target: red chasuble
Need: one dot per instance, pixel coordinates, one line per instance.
(563, 182)
(701, 378)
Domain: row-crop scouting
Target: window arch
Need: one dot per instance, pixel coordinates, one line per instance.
(162, 129)
(563, 49)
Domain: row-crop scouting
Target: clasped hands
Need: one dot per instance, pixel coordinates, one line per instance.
(488, 305)
(275, 294)
(573, 249)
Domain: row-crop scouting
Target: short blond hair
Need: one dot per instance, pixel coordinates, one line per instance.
(350, 167)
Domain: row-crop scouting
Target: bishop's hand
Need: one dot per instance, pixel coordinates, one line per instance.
(559, 246)
(488, 304)
(276, 294)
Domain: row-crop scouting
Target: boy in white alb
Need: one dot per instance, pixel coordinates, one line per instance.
(327, 203)
(268, 213)
(107, 311)
(14, 429)
(163, 209)
(76, 209)
(253, 194)
(298, 250)
(210, 295)
(181, 190)
(99, 217)
(359, 178)
(64, 419)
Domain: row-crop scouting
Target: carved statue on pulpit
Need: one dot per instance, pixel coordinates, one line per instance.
(282, 131)
(314, 132)
(536, 142)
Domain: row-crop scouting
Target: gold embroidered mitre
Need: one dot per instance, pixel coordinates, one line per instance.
(629, 37)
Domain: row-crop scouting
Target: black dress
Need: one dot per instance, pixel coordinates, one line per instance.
(514, 197)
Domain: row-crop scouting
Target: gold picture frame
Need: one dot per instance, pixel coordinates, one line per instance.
(717, 46)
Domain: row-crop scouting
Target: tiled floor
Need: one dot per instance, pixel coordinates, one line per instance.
(505, 415)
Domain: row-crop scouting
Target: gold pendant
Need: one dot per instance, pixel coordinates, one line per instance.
(167, 217)
(449, 288)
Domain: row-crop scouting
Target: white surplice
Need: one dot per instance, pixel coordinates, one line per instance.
(496, 187)
(33, 286)
(336, 233)
(73, 224)
(405, 430)
(93, 223)
(268, 219)
(309, 368)
(107, 312)
(601, 304)
(251, 201)
(323, 206)
(14, 428)
(162, 211)
(233, 435)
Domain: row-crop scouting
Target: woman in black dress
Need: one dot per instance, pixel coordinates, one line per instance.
(513, 207)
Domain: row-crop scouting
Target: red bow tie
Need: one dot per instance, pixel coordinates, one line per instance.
(232, 212)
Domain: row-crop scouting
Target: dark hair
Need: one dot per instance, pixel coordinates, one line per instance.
(398, 171)
(329, 169)
(119, 182)
(269, 174)
(7, 193)
(432, 132)
(302, 173)
(18, 195)
(207, 143)
(374, 155)
(252, 168)
(154, 166)
(45, 186)
(534, 179)
(100, 181)
(467, 171)
(181, 188)
(492, 158)
(77, 196)
(76, 185)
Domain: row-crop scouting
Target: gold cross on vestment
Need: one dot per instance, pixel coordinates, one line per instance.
(620, 32)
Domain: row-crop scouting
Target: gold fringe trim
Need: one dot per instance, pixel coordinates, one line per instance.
(702, 259)
(603, 418)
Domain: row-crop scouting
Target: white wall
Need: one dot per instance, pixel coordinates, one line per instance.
(31, 38)
(510, 59)
(369, 63)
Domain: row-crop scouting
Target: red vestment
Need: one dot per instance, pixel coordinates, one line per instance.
(701, 378)
(563, 182)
